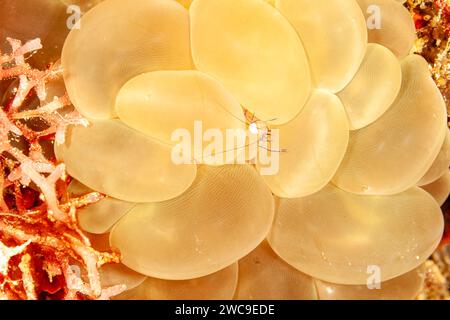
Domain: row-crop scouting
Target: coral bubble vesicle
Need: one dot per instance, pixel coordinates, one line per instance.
(254, 51)
(404, 287)
(265, 276)
(99, 217)
(374, 88)
(118, 40)
(226, 213)
(440, 164)
(337, 236)
(394, 153)
(390, 24)
(158, 103)
(220, 285)
(334, 34)
(440, 188)
(118, 274)
(313, 146)
(111, 158)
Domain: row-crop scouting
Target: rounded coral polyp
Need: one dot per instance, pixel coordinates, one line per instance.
(335, 40)
(109, 157)
(159, 103)
(390, 24)
(220, 285)
(393, 154)
(302, 140)
(254, 51)
(101, 216)
(439, 189)
(226, 213)
(117, 41)
(117, 274)
(364, 98)
(286, 282)
(404, 287)
(337, 236)
(440, 164)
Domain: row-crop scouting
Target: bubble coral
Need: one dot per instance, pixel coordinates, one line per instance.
(99, 217)
(287, 283)
(324, 41)
(405, 287)
(220, 285)
(378, 160)
(145, 102)
(439, 188)
(275, 71)
(305, 140)
(213, 224)
(291, 284)
(361, 125)
(394, 30)
(119, 41)
(385, 231)
(89, 156)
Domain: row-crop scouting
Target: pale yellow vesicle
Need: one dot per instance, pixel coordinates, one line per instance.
(118, 41)
(254, 51)
(389, 24)
(393, 153)
(161, 103)
(113, 159)
(334, 35)
(440, 164)
(439, 189)
(404, 287)
(336, 236)
(313, 146)
(220, 285)
(264, 276)
(226, 213)
(374, 87)
(30, 19)
(114, 274)
(99, 217)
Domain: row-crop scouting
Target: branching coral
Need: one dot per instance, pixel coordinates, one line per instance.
(40, 242)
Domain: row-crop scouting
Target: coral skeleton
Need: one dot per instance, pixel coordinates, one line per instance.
(43, 253)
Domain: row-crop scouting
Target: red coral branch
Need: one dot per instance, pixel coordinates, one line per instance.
(40, 242)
